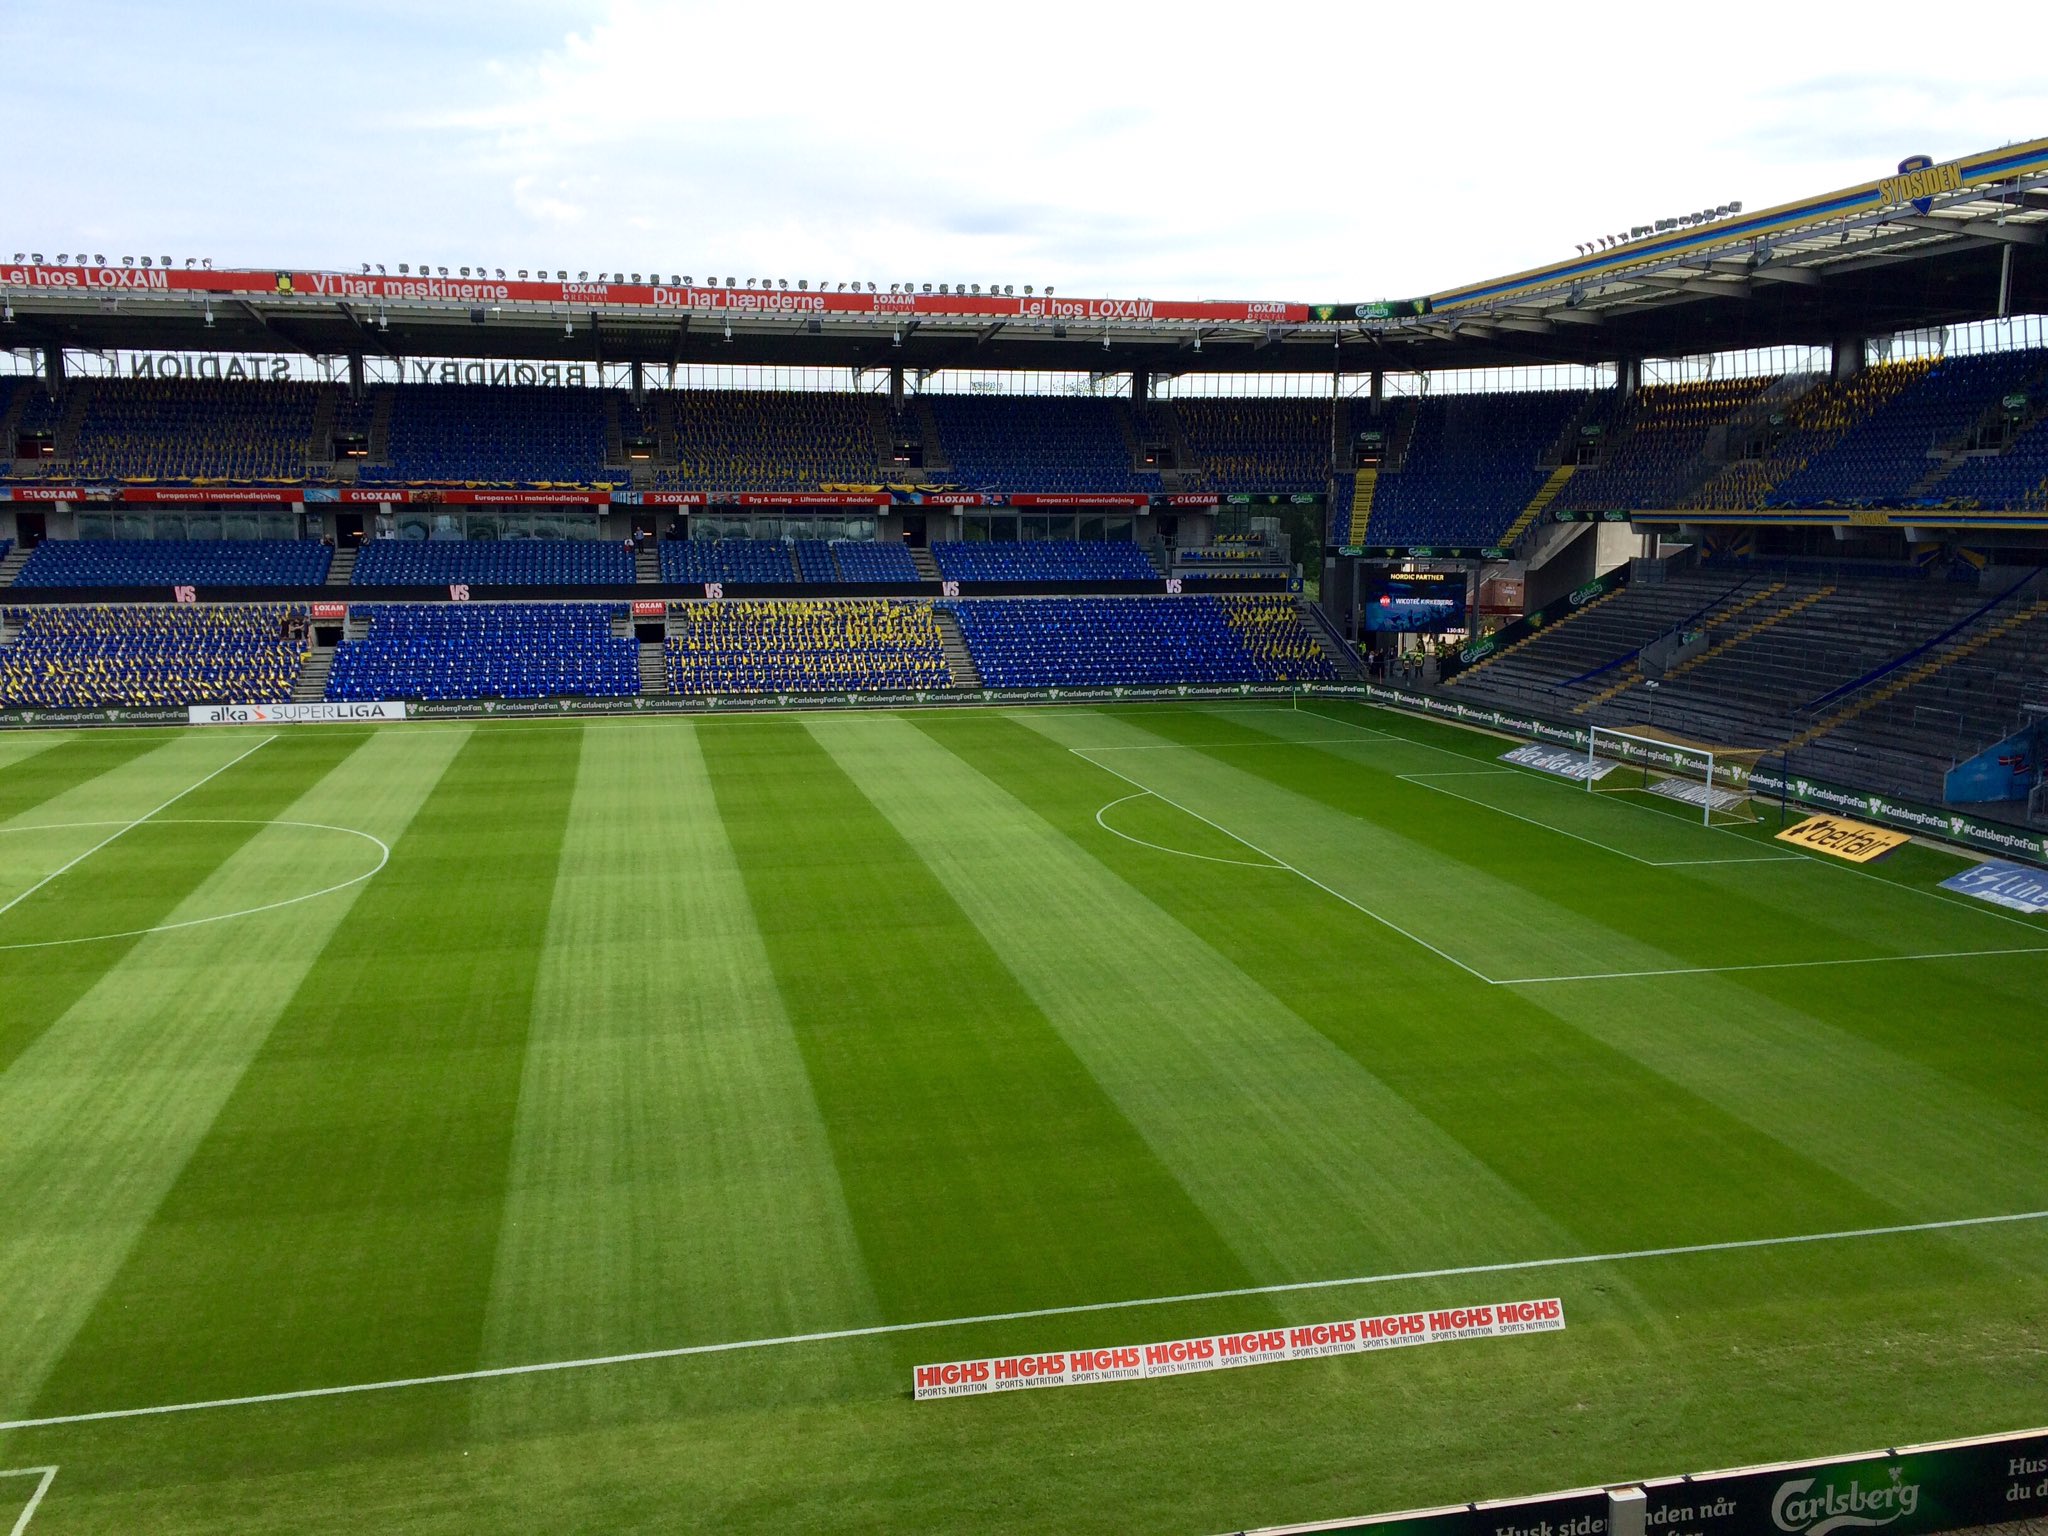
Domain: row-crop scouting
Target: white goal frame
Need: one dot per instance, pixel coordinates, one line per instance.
(1656, 754)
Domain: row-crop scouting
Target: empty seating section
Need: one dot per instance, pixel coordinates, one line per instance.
(1881, 461)
(863, 562)
(764, 440)
(176, 562)
(516, 435)
(506, 563)
(1036, 443)
(1654, 458)
(486, 651)
(198, 429)
(2016, 479)
(1785, 441)
(1256, 444)
(1473, 463)
(760, 561)
(814, 561)
(1043, 560)
(167, 657)
(1060, 642)
(862, 645)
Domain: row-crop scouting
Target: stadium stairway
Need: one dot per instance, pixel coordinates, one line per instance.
(1633, 673)
(11, 566)
(342, 568)
(1343, 660)
(927, 566)
(1538, 505)
(653, 668)
(959, 660)
(311, 687)
(1363, 484)
(1574, 616)
(647, 573)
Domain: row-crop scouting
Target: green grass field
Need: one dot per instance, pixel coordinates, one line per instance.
(345, 1056)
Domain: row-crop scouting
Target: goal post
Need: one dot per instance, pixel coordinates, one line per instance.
(1646, 761)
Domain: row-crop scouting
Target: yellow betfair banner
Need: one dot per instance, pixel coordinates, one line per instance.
(1855, 841)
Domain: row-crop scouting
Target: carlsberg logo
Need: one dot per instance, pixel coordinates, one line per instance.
(1796, 1508)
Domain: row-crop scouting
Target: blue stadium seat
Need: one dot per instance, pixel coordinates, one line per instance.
(507, 563)
(516, 435)
(1036, 443)
(150, 656)
(175, 562)
(1075, 642)
(486, 651)
(1472, 464)
(867, 562)
(757, 561)
(1043, 560)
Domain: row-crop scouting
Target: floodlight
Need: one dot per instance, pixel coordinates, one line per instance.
(896, 337)
(209, 312)
(522, 274)
(206, 262)
(101, 261)
(1009, 290)
(366, 266)
(1198, 341)
(927, 287)
(380, 270)
(1048, 293)
(636, 277)
(1027, 290)
(63, 258)
(568, 327)
(464, 271)
(582, 277)
(383, 321)
(126, 261)
(871, 287)
(728, 330)
(977, 290)
(442, 270)
(501, 272)
(782, 282)
(732, 282)
(803, 285)
(404, 269)
(687, 281)
(162, 261)
(6, 313)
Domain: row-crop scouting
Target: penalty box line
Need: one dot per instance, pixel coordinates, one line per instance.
(44, 1476)
(882, 1330)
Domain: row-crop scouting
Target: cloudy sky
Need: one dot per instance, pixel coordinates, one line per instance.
(1270, 151)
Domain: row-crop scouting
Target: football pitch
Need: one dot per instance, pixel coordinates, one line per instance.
(588, 1126)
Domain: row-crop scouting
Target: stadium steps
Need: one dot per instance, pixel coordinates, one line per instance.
(1343, 660)
(311, 686)
(1750, 631)
(1548, 629)
(10, 421)
(73, 421)
(1127, 428)
(1538, 504)
(1634, 671)
(927, 567)
(647, 566)
(936, 457)
(11, 566)
(1957, 650)
(381, 409)
(653, 668)
(320, 437)
(342, 568)
(1363, 483)
(959, 660)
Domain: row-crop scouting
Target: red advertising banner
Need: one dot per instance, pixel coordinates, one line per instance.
(1084, 499)
(1228, 1351)
(1193, 499)
(644, 608)
(481, 290)
(53, 493)
(813, 499)
(673, 498)
(456, 496)
(329, 610)
(951, 499)
(210, 495)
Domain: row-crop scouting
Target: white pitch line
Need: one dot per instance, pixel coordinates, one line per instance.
(44, 1477)
(1208, 858)
(881, 1330)
(131, 826)
(1772, 965)
(1082, 753)
(1217, 746)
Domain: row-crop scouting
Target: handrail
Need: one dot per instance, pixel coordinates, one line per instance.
(1857, 685)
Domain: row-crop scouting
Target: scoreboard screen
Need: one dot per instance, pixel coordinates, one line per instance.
(1416, 602)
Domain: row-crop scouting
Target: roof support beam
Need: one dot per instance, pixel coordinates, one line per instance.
(1981, 229)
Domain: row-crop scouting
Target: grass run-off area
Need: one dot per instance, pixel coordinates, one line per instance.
(339, 1057)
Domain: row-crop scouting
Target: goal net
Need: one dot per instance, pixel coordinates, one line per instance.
(1643, 760)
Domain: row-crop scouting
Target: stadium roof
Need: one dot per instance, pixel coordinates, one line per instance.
(1941, 244)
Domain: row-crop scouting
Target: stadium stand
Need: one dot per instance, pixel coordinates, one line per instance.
(486, 651)
(1472, 464)
(195, 430)
(860, 645)
(764, 440)
(1254, 444)
(176, 562)
(765, 561)
(1061, 642)
(1043, 560)
(1036, 443)
(1654, 456)
(2015, 479)
(518, 435)
(859, 561)
(1787, 441)
(506, 563)
(1884, 458)
(172, 656)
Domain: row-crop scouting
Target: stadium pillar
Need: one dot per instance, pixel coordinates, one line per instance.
(1379, 390)
(355, 375)
(1141, 385)
(639, 381)
(896, 386)
(53, 368)
(1628, 376)
(1848, 359)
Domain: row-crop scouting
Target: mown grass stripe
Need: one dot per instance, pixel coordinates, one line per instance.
(671, 1178)
(40, 768)
(984, 1167)
(1303, 1160)
(343, 1212)
(106, 1107)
